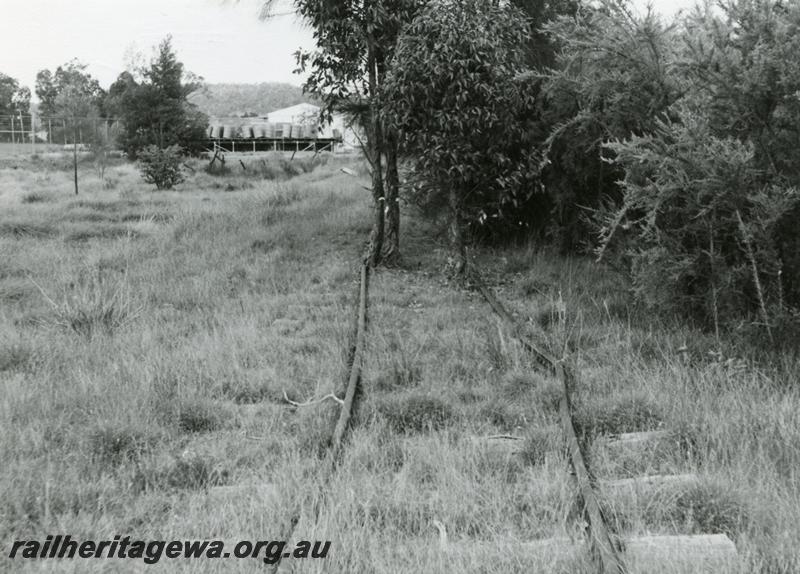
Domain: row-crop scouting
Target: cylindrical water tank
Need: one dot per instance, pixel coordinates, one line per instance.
(259, 131)
(209, 131)
(246, 132)
(270, 130)
(312, 131)
(228, 132)
(286, 130)
(298, 131)
(216, 132)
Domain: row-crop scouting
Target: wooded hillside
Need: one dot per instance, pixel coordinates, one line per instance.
(240, 99)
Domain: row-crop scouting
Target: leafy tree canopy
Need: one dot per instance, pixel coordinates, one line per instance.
(155, 110)
(355, 41)
(71, 76)
(13, 98)
(463, 120)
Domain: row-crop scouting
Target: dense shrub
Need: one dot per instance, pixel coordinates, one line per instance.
(701, 222)
(709, 194)
(613, 78)
(162, 166)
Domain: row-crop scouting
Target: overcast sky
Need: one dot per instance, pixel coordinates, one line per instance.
(221, 40)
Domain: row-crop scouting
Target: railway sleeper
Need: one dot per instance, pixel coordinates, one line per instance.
(677, 554)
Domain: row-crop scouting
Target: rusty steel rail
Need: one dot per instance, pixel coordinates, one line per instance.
(605, 552)
(346, 412)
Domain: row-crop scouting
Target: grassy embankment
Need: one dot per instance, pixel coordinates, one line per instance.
(147, 338)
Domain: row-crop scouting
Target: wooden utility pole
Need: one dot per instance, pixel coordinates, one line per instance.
(75, 153)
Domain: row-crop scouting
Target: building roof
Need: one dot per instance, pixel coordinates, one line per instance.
(297, 114)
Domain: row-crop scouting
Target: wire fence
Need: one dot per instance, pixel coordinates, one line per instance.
(26, 132)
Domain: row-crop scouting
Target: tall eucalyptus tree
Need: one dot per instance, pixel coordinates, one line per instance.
(355, 40)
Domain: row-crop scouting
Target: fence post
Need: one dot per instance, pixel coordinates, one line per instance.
(13, 139)
(33, 135)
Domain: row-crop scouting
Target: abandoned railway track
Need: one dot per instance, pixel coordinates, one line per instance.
(610, 553)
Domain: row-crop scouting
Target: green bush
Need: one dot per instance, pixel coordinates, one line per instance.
(614, 77)
(162, 166)
(700, 223)
(707, 222)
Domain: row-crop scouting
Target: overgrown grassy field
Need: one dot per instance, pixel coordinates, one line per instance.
(148, 340)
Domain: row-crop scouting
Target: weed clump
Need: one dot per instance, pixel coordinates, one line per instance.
(506, 414)
(248, 392)
(548, 394)
(34, 197)
(629, 415)
(193, 472)
(402, 374)
(19, 230)
(14, 358)
(189, 471)
(496, 350)
(517, 385)
(703, 508)
(115, 443)
(530, 286)
(100, 232)
(416, 413)
(538, 444)
(197, 415)
(262, 245)
(314, 427)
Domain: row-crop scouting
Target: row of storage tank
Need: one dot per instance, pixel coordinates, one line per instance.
(266, 130)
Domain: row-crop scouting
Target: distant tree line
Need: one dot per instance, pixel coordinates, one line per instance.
(14, 99)
(15, 103)
(669, 148)
(153, 120)
(150, 104)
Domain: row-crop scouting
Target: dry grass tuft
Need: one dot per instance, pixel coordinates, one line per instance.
(198, 415)
(632, 414)
(93, 303)
(114, 443)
